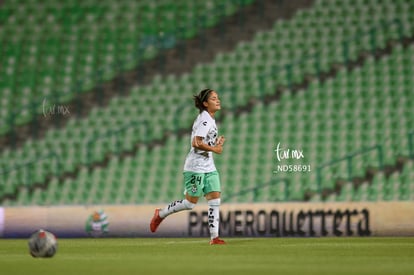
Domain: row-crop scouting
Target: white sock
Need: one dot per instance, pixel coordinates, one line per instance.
(214, 217)
(176, 206)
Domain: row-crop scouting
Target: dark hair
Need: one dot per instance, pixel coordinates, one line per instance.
(200, 98)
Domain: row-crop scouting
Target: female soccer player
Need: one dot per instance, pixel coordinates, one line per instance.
(200, 173)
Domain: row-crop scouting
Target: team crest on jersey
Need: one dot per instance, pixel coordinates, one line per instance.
(97, 224)
(211, 137)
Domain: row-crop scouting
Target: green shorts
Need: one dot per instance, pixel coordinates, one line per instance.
(200, 184)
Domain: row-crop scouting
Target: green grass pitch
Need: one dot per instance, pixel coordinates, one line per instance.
(195, 256)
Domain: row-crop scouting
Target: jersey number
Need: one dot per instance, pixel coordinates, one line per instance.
(195, 179)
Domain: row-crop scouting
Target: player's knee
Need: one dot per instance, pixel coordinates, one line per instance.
(188, 205)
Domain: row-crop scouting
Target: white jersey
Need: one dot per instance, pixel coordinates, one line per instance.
(197, 160)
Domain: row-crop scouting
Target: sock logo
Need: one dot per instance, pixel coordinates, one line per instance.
(210, 218)
(174, 203)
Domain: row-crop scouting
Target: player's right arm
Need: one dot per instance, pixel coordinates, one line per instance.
(199, 144)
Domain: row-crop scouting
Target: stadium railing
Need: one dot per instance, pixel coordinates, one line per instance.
(256, 189)
(411, 144)
(27, 174)
(348, 158)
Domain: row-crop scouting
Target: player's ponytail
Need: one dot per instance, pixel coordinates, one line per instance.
(200, 98)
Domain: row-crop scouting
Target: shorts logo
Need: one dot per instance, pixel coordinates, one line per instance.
(194, 188)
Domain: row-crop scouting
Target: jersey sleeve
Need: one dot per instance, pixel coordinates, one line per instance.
(202, 129)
